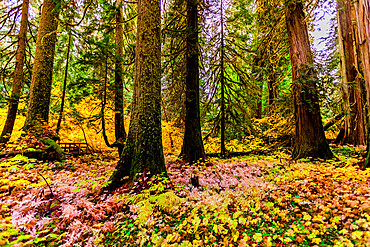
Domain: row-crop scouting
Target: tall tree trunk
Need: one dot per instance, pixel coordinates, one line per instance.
(104, 101)
(256, 74)
(18, 76)
(362, 9)
(259, 102)
(360, 74)
(355, 120)
(345, 93)
(222, 79)
(192, 147)
(38, 107)
(64, 86)
(143, 152)
(119, 124)
(310, 138)
(271, 83)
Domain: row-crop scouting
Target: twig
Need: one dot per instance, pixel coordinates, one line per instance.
(52, 194)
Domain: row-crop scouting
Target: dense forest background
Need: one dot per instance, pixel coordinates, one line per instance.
(149, 105)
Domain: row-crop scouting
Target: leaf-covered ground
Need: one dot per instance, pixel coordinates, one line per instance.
(245, 201)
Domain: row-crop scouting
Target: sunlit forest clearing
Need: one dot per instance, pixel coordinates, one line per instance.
(184, 123)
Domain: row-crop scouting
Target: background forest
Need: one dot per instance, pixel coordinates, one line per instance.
(184, 123)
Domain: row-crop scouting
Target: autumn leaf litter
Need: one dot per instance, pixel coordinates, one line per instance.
(260, 201)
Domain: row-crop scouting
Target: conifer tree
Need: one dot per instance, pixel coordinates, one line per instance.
(355, 129)
(143, 152)
(310, 138)
(119, 127)
(192, 147)
(39, 102)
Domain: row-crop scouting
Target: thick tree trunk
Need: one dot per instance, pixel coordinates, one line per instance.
(362, 9)
(310, 138)
(345, 93)
(143, 152)
(119, 124)
(18, 76)
(38, 107)
(192, 147)
(355, 119)
(360, 72)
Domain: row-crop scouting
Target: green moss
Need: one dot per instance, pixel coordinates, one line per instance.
(52, 150)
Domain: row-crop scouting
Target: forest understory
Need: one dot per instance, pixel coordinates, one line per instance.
(255, 200)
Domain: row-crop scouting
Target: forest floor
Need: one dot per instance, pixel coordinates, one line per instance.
(246, 201)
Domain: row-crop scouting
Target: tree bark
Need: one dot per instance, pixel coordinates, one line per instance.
(362, 10)
(119, 124)
(355, 119)
(40, 92)
(310, 138)
(143, 152)
(192, 147)
(18, 76)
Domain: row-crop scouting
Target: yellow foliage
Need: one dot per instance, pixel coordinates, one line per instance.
(72, 129)
(172, 138)
(275, 125)
(250, 143)
(19, 121)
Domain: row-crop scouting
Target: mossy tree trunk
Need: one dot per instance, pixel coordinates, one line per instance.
(18, 76)
(310, 138)
(40, 92)
(351, 80)
(143, 152)
(120, 132)
(192, 147)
